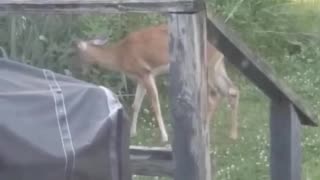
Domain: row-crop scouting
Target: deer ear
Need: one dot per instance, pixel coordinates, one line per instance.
(99, 41)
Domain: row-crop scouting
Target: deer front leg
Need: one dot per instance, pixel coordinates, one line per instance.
(136, 106)
(152, 92)
(213, 101)
(233, 99)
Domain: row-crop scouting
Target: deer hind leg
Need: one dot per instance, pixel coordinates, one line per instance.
(136, 106)
(233, 101)
(152, 92)
(226, 88)
(213, 102)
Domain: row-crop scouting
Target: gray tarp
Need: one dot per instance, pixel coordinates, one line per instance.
(55, 127)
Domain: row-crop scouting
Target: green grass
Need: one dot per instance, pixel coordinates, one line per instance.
(248, 153)
(248, 157)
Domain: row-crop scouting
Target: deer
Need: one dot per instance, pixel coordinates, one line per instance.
(142, 55)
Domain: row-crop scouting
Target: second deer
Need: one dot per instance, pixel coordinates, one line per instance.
(143, 55)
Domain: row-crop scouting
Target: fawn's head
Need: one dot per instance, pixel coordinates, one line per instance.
(85, 45)
(87, 51)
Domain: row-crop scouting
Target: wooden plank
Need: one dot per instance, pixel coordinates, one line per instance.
(151, 161)
(98, 6)
(285, 142)
(123, 142)
(253, 67)
(188, 96)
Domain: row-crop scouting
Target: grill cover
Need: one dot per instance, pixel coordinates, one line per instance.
(55, 127)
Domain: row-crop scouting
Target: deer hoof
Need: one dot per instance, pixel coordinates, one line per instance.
(133, 133)
(168, 146)
(234, 135)
(164, 138)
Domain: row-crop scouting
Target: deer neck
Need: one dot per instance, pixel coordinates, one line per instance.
(105, 57)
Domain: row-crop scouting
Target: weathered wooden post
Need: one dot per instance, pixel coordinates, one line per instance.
(285, 155)
(188, 91)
